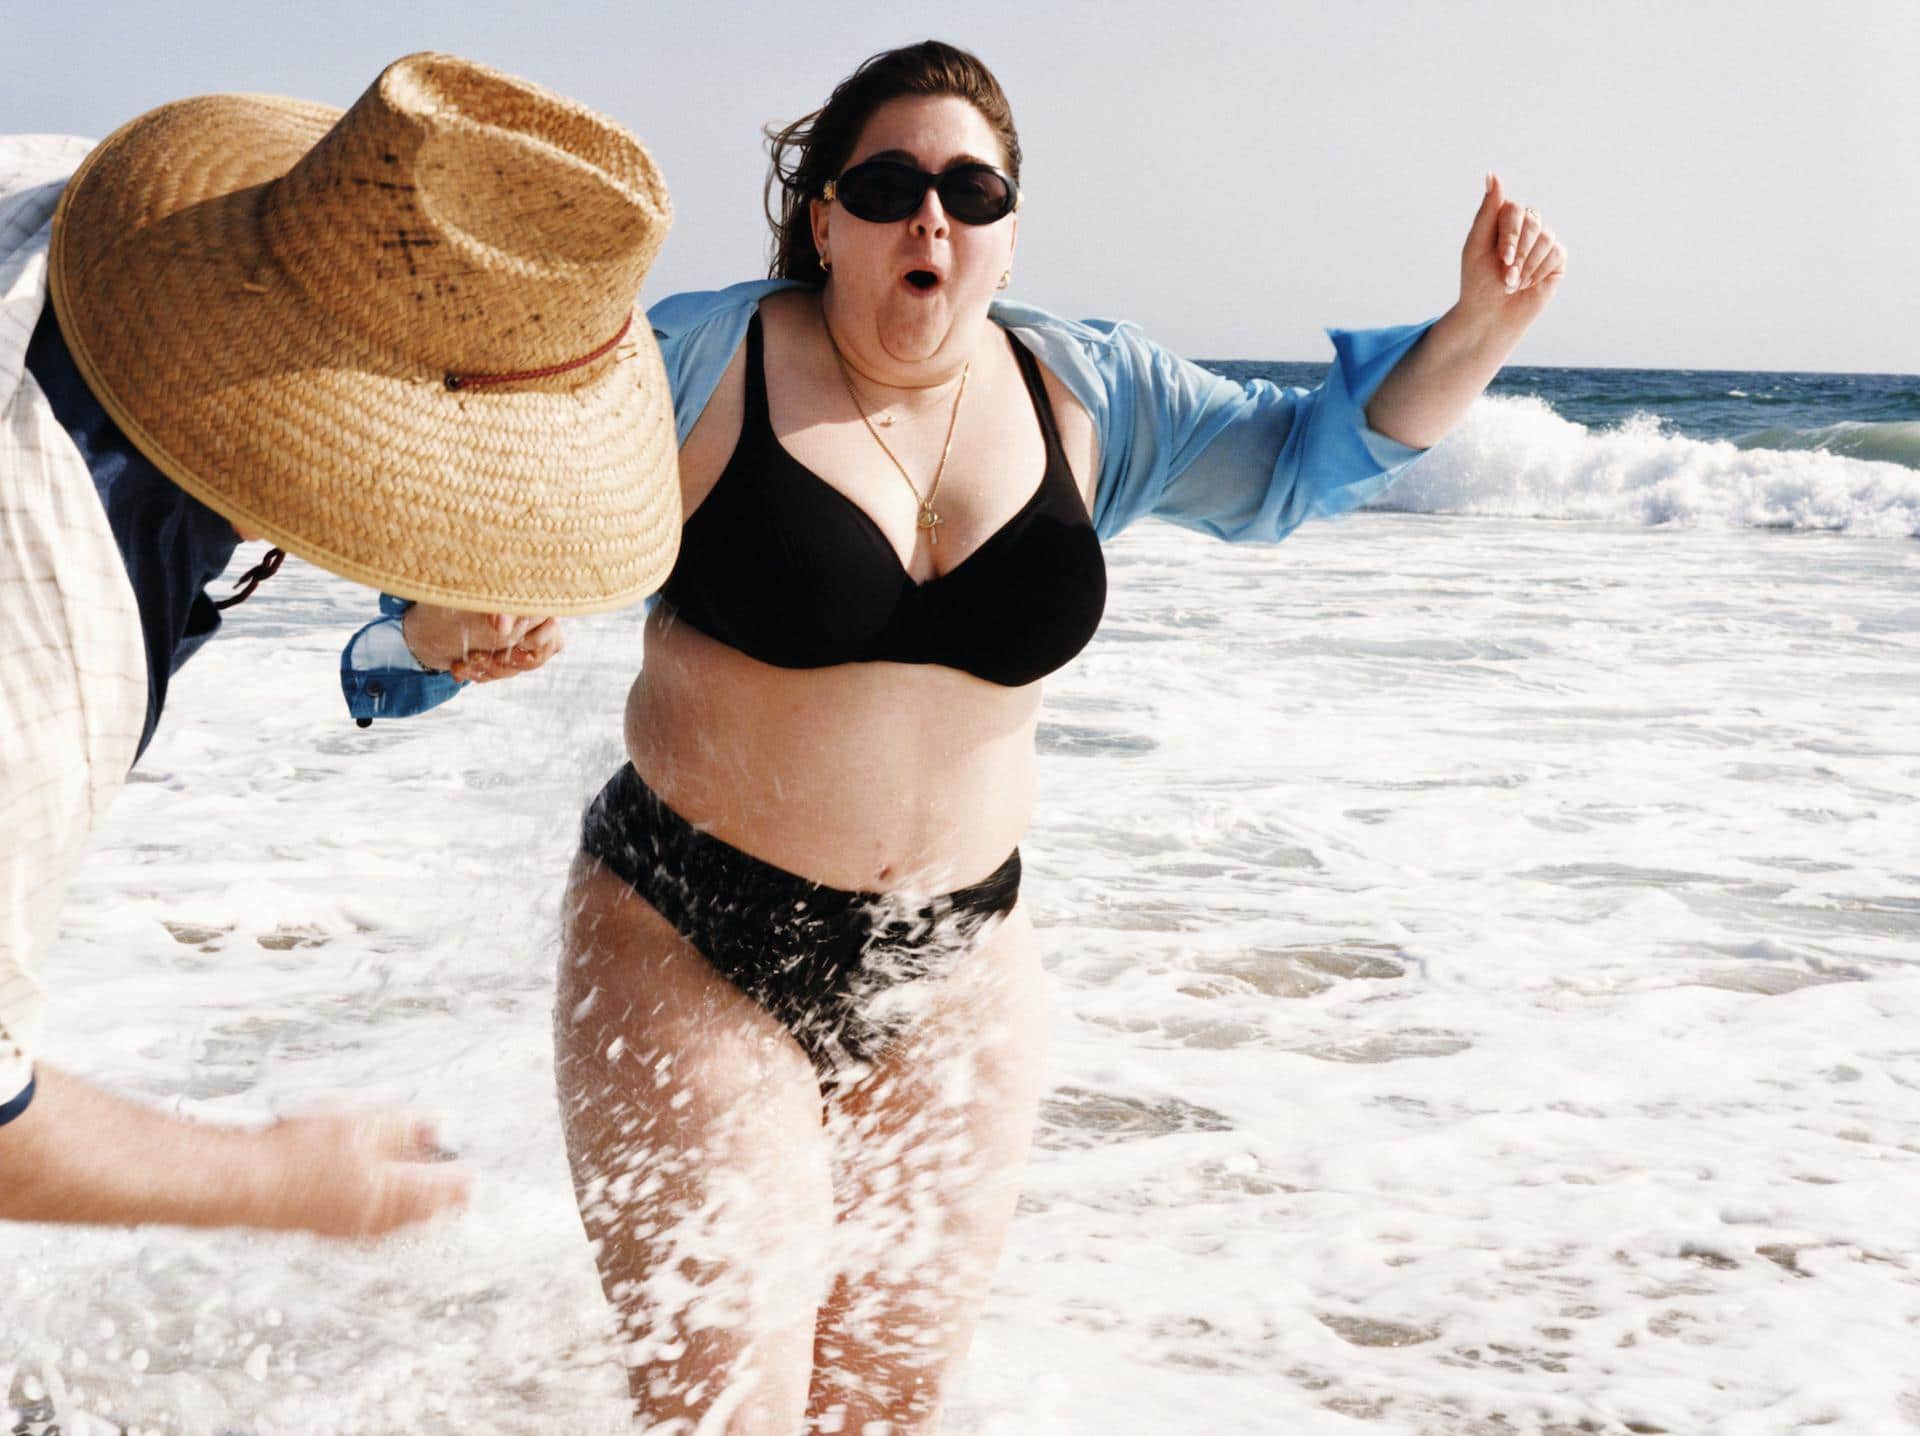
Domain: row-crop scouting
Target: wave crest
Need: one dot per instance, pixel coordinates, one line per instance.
(1515, 457)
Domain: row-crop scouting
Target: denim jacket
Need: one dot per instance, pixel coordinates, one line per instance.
(1239, 461)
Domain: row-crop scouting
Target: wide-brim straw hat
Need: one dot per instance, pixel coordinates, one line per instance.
(400, 342)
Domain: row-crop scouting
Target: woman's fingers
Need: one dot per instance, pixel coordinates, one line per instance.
(441, 636)
(541, 643)
(1545, 252)
(526, 653)
(1524, 234)
(1512, 261)
(1524, 246)
(1507, 232)
(1480, 237)
(1552, 271)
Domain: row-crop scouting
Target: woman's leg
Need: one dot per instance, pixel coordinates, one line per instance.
(927, 1148)
(693, 1126)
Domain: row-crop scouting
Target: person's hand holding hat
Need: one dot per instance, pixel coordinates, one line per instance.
(479, 647)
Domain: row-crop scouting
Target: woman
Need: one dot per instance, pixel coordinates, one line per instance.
(799, 1018)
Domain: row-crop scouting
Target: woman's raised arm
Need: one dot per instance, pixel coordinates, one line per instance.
(1509, 269)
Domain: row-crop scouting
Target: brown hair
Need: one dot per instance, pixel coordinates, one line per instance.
(816, 147)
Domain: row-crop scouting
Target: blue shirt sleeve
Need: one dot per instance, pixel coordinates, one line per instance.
(1253, 461)
(1239, 461)
(699, 333)
(381, 678)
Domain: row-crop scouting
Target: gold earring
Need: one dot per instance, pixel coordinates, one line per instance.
(1006, 277)
(825, 263)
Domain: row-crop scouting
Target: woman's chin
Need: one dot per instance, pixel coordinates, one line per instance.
(913, 328)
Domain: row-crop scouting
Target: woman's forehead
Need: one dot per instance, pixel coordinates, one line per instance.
(933, 131)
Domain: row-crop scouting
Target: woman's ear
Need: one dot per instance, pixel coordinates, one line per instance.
(817, 222)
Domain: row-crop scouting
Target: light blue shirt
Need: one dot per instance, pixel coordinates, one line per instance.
(1246, 461)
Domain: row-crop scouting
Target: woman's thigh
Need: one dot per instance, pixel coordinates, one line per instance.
(927, 1148)
(693, 1126)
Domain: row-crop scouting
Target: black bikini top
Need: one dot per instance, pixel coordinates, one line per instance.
(779, 564)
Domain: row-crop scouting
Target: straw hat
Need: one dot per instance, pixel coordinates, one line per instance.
(400, 341)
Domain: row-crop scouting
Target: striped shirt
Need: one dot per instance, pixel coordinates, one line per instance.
(73, 671)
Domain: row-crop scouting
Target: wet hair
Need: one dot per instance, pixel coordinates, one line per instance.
(815, 148)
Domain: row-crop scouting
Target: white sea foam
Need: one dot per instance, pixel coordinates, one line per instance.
(1485, 965)
(1516, 458)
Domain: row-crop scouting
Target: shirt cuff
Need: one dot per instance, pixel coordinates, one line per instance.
(391, 607)
(14, 1106)
(380, 677)
(1362, 360)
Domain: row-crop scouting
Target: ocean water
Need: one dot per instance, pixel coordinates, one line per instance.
(1752, 410)
(1484, 947)
(1657, 446)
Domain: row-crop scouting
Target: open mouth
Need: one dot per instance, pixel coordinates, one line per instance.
(923, 279)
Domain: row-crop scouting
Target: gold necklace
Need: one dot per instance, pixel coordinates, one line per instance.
(929, 519)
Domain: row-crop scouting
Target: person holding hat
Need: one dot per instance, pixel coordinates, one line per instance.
(397, 342)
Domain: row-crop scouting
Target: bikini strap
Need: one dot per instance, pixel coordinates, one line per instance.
(756, 397)
(1037, 392)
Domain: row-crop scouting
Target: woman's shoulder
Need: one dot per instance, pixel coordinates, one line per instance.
(698, 333)
(1096, 338)
(1100, 361)
(679, 315)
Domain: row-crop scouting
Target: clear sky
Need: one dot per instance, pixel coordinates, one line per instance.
(1738, 183)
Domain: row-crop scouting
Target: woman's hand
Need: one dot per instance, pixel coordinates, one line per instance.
(521, 655)
(1511, 265)
(479, 647)
(1509, 270)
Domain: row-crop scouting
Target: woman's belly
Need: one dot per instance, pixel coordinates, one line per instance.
(876, 776)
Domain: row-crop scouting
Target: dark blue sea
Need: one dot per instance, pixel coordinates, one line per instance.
(1866, 415)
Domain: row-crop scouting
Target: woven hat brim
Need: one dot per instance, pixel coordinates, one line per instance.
(556, 496)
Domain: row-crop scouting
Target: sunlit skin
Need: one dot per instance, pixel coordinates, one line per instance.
(692, 1118)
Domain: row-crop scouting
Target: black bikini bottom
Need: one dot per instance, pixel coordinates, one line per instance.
(831, 965)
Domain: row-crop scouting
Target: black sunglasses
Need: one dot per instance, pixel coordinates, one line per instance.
(882, 191)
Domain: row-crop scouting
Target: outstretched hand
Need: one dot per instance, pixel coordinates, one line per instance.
(479, 647)
(1512, 263)
(355, 1175)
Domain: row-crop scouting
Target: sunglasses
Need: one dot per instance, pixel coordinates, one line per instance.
(883, 191)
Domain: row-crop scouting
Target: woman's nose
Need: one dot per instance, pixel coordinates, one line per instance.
(930, 218)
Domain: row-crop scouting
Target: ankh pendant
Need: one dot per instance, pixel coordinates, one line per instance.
(930, 521)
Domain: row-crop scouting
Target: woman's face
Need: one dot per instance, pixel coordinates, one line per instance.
(880, 271)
